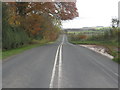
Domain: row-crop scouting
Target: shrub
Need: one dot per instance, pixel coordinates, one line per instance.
(13, 37)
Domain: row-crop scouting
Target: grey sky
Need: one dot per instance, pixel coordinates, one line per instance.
(93, 13)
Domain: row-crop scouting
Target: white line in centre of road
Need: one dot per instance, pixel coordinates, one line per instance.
(54, 67)
(63, 40)
(60, 68)
(58, 53)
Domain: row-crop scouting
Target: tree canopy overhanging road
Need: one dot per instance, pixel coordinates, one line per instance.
(60, 65)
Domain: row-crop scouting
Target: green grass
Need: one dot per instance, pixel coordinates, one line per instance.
(77, 32)
(35, 43)
(0, 54)
(8, 53)
(85, 32)
(84, 42)
(95, 42)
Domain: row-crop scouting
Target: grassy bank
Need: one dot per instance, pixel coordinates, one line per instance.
(109, 40)
(33, 44)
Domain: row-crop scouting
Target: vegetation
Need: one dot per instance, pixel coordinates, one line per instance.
(23, 22)
(34, 43)
(115, 22)
(108, 39)
(6, 54)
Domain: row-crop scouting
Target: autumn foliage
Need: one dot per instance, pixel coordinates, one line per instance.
(39, 20)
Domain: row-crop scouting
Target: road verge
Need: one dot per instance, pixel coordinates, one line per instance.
(9, 53)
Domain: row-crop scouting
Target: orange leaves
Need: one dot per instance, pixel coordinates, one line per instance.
(41, 18)
(82, 36)
(35, 30)
(61, 10)
(11, 3)
(14, 19)
(65, 10)
(33, 23)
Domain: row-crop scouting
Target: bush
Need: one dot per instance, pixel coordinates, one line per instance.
(77, 37)
(13, 37)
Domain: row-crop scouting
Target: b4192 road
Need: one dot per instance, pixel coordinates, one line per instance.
(60, 65)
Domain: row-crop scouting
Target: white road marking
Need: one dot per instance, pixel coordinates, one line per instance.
(59, 53)
(99, 62)
(104, 69)
(70, 44)
(63, 40)
(99, 50)
(103, 65)
(54, 67)
(116, 74)
(60, 67)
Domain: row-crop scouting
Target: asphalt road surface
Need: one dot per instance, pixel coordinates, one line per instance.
(59, 65)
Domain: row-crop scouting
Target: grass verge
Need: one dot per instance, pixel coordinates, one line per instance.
(34, 43)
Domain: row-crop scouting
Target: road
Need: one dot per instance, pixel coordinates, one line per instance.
(59, 65)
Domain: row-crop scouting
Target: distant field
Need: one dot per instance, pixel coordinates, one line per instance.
(85, 32)
(89, 31)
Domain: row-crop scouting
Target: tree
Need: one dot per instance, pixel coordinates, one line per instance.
(39, 20)
(59, 10)
(32, 14)
(115, 22)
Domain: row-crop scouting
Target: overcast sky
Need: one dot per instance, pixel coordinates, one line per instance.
(93, 13)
